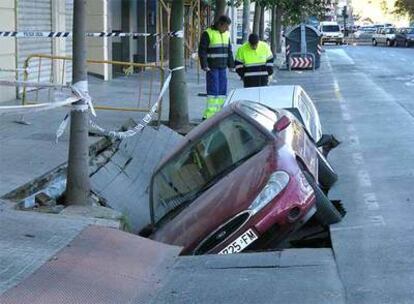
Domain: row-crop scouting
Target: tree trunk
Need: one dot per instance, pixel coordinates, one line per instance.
(273, 44)
(246, 20)
(178, 116)
(78, 184)
(262, 23)
(220, 9)
(279, 15)
(256, 20)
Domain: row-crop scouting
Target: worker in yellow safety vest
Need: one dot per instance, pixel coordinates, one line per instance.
(215, 54)
(254, 62)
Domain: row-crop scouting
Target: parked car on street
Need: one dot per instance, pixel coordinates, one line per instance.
(405, 37)
(331, 32)
(245, 178)
(384, 35)
(365, 33)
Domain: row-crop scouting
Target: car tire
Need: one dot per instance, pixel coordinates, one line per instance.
(326, 213)
(326, 176)
(374, 42)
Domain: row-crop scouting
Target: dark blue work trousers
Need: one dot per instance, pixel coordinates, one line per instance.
(217, 82)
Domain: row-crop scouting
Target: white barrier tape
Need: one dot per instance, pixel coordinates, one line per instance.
(178, 34)
(39, 34)
(14, 83)
(62, 127)
(147, 118)
(13, 110)
(80, 89)
(80, 108)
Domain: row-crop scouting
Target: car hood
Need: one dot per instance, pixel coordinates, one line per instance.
(228, 197)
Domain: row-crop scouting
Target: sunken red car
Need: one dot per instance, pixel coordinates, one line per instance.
(243, 179)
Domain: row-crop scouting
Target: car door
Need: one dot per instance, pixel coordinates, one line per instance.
(381, 36)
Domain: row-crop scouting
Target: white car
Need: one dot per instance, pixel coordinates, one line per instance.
(292, 98)
(385, 35)
(331, 32)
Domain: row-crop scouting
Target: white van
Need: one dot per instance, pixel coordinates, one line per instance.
(331, 32)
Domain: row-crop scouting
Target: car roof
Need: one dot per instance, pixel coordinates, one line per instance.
(285, 95)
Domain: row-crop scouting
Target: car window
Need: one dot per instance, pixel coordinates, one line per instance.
(410, 31)
(203, 163)
(330, 28)
(309, 115)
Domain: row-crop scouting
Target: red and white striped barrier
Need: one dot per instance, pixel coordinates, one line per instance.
(319, 49)
(301, 63)
(287, 50)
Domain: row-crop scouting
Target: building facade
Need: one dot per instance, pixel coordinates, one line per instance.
(57, 15)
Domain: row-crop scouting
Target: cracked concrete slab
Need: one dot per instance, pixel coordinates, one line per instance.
(124, 181)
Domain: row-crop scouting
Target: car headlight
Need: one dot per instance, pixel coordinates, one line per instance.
(276, 183)
(341, 35)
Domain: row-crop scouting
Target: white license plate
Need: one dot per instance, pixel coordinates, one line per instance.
(240, 243)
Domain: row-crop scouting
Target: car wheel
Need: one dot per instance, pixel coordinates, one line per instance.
(326, 213)
(327, 176)
(374, 42)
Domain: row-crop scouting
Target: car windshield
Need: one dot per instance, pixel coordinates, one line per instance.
(390, 31)
(330, 28)
(201, 164)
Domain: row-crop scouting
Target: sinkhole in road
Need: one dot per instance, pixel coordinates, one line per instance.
(311, 235)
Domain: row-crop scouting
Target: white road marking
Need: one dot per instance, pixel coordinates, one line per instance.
(364, 178)
(341, 56)
(377, 219)
(358, 158)
(346, 116)
(371, 202)
(351, 129)
(354, 140)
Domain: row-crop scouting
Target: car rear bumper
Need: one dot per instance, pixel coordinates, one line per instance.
(333, 39)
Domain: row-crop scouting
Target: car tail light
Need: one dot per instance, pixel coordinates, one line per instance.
(222, 233)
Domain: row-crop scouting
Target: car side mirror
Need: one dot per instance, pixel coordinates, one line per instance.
(282, 124)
